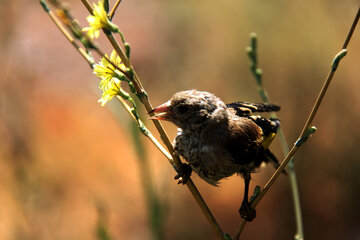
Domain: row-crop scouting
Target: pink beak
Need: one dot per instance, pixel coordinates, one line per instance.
(161, 112)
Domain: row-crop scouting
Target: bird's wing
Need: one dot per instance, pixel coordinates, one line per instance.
(246, 108)
(250, 139)
(244, 140)
(267, 125)
(269, 128)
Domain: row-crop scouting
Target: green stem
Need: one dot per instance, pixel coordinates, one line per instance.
(68, 36)
(149, 135)
(296, 198)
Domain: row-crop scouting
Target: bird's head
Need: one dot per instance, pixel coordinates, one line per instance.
(189, 109)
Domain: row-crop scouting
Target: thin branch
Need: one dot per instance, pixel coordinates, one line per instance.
(149, 135)
(113, 10)
(137, 83)
(267, 186)
(297, 204)
(82, 51)
(68, 36)
(307, 129)
(352, 29)
(87, 5)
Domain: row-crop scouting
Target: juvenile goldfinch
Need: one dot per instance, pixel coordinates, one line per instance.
(218, 139)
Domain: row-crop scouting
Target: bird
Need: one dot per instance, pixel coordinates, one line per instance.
(218, 140)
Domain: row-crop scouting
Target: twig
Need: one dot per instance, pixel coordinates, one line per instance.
(268, 185)
(113, 10)
(58, 24)
(87, 5)
(306, 132)
(149, 135)
(257, 73)
(137, 83)
(352, 29)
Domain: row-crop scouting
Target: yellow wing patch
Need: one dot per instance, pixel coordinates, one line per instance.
(267, 140)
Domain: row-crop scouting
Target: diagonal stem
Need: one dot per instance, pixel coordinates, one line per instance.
(113, 10)
(87, 5)
(66, 33)
(352, 29)
(149, 135)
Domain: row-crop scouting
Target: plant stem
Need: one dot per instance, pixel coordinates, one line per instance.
(304, 133)
(113, 10)
(352, 29)
(137, 83)
(267, 186)
(87, 5)
(66, 33)
(149, 135)
(294, 188)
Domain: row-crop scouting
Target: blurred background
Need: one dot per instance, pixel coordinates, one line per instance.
(69, 168)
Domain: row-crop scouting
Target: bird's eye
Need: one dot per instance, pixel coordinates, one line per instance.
(182, 109)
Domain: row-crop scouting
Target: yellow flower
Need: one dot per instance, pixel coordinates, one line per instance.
(110, 77)
(106, 70)
(110, 91)
(99, 20)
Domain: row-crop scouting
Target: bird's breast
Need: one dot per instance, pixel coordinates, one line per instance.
(209, 160)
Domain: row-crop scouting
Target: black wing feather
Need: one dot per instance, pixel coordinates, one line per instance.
(246, 108)
(268, 126)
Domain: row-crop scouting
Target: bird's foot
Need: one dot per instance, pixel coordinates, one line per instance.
(247, 212)
(183, 173)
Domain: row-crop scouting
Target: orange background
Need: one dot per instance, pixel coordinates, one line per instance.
(67, 165)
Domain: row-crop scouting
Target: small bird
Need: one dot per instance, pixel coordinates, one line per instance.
(218, 139)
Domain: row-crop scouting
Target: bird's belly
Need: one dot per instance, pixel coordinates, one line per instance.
(213, 171)
(211, 163)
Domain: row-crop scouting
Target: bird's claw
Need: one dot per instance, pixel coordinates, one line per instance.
(184, 173)
(247, 212)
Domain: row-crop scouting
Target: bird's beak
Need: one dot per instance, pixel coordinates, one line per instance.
(161, 112)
